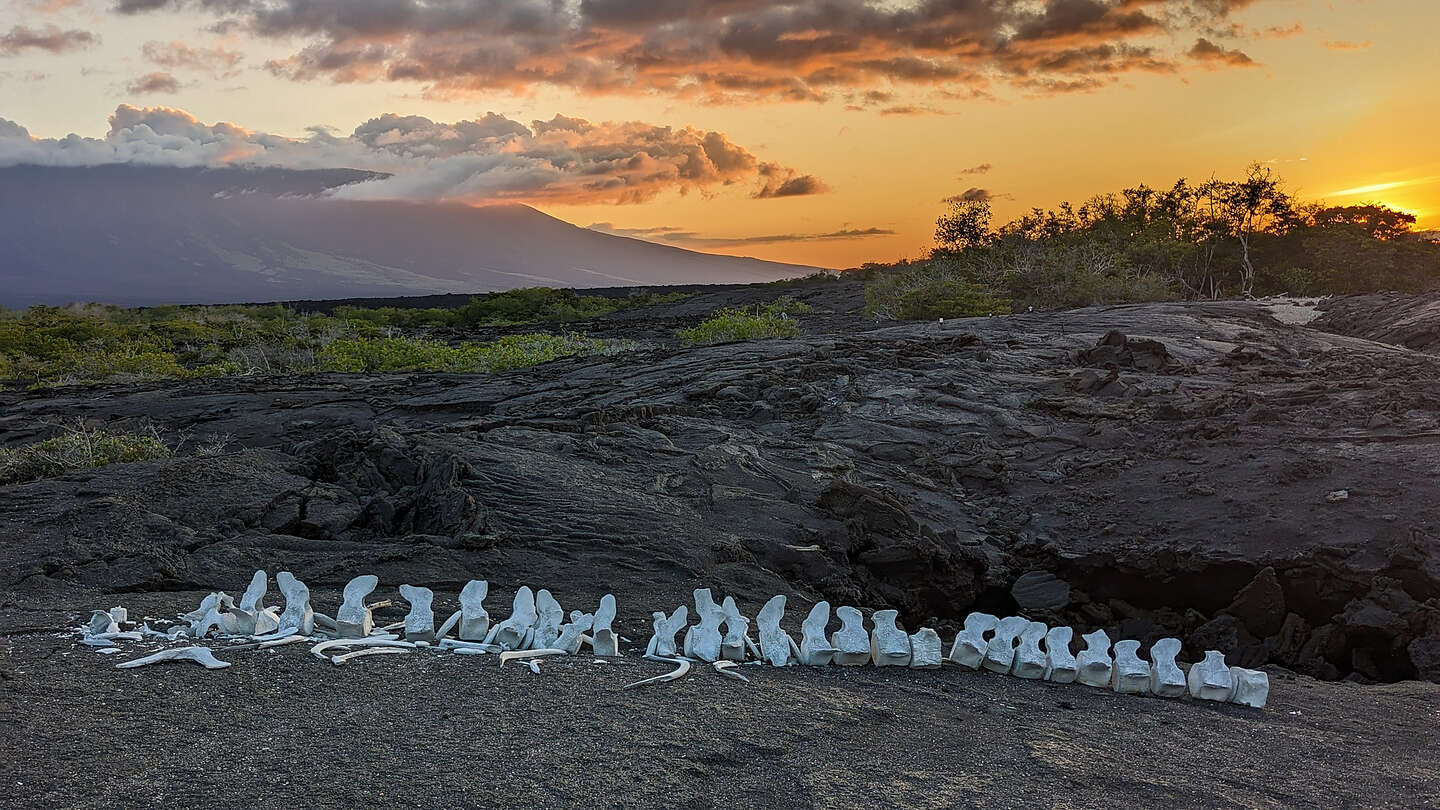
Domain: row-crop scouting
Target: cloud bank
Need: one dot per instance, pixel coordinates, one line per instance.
(722, 49)
(490, 158)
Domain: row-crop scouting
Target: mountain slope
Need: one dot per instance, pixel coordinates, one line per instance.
(147, 235)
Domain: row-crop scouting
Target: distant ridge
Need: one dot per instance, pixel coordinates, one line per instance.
(139, 235)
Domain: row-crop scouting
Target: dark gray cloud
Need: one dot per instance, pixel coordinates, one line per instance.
(681, 236)
(492, 157)
(47, 38)
(150, 83)
(717, 50)
(1207, 51)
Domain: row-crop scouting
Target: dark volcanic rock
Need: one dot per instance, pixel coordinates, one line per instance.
(1040, 590)
(1260, 605)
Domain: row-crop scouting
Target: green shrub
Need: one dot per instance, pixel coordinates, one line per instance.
(78, 449)
(729, 325)
(393, 354)
(925, 294)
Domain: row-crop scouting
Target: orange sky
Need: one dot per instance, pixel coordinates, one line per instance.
(1339, 96)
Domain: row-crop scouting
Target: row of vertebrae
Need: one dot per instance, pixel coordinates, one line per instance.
(1013, 646)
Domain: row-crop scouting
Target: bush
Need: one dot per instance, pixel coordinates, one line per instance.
(730, 325)
(78, 449)
(929, 293)
(393, 354)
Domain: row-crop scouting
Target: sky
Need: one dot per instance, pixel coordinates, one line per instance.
(821, 132)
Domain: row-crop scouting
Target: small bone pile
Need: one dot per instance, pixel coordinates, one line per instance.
(1011, 646)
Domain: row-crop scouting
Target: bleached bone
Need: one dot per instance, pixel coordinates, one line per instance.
(702, 641)
(281, 642)
(522, 655)
(337, 660)
(727, 669)
(214, 620)
(246, 616)
(776, 645)
(1000, 652)
(319, 649)
(971, 643)
(448, 625)
(682, 668)
(200, 655)
(925, 651)
(1131, 675)
(1166, 679)
(851, 642)
(603, 641)
(736, 641)
(549, 615)
(119, 614)
(108, 651)
(889, 645)
(354, 619)
(1252, 687)
(572, 633)
(207, 604)
(297, 614)
(516, 632)
(468, 647)
(474, 621)
(101, 622)
(1094, 661)
(1029, 658)
(1060, 664)
(1210, 679)
(420, 621)
(815, 649)
(662, 643)
(97, 641)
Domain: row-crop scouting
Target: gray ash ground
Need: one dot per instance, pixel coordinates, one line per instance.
(1175, 464)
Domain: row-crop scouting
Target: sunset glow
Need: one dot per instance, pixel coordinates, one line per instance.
(816, 133)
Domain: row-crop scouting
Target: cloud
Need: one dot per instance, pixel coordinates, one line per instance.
(981, 168)
(489, 158)
(1207, 51)
(680, 236)
(49, 38)
(974, 194)
(153, 83)
(218, 62)
(723, 50)
(1341, 45)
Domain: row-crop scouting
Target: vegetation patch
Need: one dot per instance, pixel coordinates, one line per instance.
(922, 294)
(731, 324)
(391, 354)
(77, 449)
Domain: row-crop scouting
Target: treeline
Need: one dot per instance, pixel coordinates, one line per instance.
(1218, 239)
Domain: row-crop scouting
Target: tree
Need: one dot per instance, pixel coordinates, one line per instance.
(1377, 221)
(1254, 205)
(965, 225)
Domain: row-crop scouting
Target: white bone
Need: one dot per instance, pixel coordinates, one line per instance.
(281, 642)
(521, 655)
(925, 649)
(572, 634)
(682, 668)
(107, 651)
(1210, 679)
(1059, 661)
(1131, 675)
(662, 643)
(1166, 679)
(448, 625)
(474, 621)
(815, 649)
(851, 642)
(297, 615)
(516, 632)
(319, 649)
(702, 641)
(1094, 661)
(727, 669)
(246, 616)
(101, 622)
(1000, 653)
(972, 642)
(603, 641)
(889, 645)
(354, 619)
(215, 620)
(119, 614)
(736, 641)
(200, 655)
(337, 660)
(207, 604)
(420, 621)
(1029, 658)
(97, 641)
(469, 647)
(776, 645)
(1252, 687)
(549, 616)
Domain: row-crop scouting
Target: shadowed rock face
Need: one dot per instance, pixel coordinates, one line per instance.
(924, 467)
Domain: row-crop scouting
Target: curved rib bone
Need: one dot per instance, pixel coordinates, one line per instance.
(319, 649)
(200, 655)
(337, 660)
(727, 669)
(522, 655)
(682, 668)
